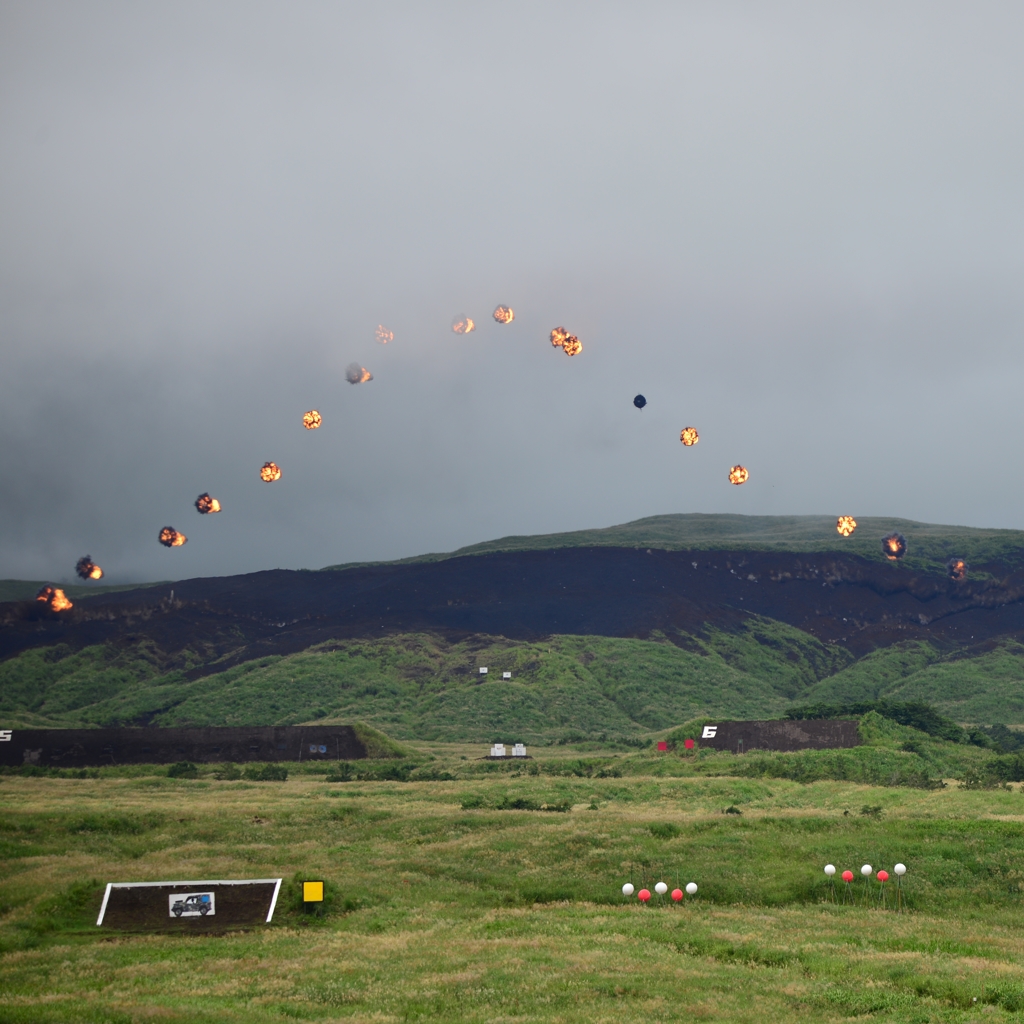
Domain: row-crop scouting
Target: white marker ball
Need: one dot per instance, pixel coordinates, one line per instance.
(830, 870)
(900, 869)
(691, 888)
(866, 870)
(627, 889)
(661, 888)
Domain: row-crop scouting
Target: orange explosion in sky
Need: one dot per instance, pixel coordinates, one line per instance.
(269, 472)
(383, 335)
(738, 475)
(689, 436)
(312, 419)
(205, 505)
(87, 569)
(170, 538)
(463, 325)
(846, 525)
(504, 315)
(356, 374)
(55, 598)
(568, 343)
(894, 546)
(956, 568)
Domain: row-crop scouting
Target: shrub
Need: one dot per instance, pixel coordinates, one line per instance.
(342, 772)
(663, 829)
(183, 770)
(266, 773)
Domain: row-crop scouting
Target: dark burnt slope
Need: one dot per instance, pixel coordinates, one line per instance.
(625, 592)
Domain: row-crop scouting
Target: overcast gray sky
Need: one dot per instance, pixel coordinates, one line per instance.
(795, 226)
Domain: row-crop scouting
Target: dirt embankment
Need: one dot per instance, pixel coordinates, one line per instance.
(525, 595)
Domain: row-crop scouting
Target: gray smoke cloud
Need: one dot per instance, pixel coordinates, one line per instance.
(796, 227)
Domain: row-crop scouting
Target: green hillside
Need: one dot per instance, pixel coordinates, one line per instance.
(930, 545)
(418, 686)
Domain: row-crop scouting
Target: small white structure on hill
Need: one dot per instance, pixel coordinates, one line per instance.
(519, 750)
(483, 670)
(498, 750)
(506, 675)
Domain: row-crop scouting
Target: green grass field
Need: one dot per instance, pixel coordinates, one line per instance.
(447, 903)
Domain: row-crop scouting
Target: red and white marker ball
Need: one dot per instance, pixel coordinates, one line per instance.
(644, 895)
(883, 876)
(677, 894)
(847, 876)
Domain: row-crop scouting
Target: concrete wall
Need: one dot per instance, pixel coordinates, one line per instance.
(814, 734)
(80, 748)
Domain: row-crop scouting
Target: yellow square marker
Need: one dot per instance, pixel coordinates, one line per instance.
(312, 892)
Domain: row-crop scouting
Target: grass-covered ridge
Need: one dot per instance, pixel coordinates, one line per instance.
(930, 544)
(421, 686)
(418, 686)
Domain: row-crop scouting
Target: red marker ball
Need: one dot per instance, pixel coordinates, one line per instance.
(847, 876)
(883, 876)
(644, 895)
(677, 894)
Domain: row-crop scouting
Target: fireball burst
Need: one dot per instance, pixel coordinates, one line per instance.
(205, 505)
(269, 472)
(170, 538)
(463, 325)
(689, 436)
(738, 475)
(568, 343)
(87, 569)
(504, 315)
(383, 335)
(894, 546)
(956, 569)
(356, 374)
(312, 419)
(55, 598)
(846, 525)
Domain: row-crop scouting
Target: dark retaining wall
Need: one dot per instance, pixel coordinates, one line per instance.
(817, 734)
(80, 748)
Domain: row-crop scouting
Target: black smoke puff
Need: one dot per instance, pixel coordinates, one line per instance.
(639, 401)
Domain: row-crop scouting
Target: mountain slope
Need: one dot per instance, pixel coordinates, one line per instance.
(727, 631)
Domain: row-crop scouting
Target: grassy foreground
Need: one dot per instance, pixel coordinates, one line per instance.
(449, 901)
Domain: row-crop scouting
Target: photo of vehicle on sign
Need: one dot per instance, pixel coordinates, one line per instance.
(191, 904)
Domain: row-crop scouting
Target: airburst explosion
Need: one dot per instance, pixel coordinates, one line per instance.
(738, 475)
(463, 325)
(846, 525)
(87, 569)
(383, 335)
(205, 505)
(356, 374)
(312, 419)
(504, 315)
(269, 472)
(689, 436)
(170, 538)
(568, 343)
